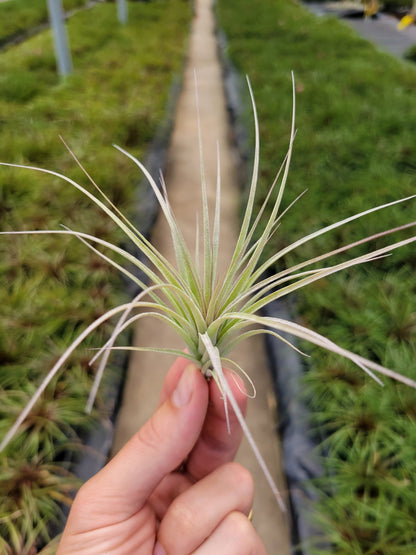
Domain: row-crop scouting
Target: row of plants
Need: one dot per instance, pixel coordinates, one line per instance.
(387, 5)
(354, 149)
(53, 286)
(19, 16)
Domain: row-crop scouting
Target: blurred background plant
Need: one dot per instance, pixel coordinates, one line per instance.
(19, 17)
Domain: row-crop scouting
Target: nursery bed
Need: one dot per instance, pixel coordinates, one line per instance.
(20, 19)
(52, 286)
(354, 149)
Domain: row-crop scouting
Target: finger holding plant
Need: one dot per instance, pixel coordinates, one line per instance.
(210, 312)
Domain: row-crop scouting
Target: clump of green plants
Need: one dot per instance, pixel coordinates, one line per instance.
(51, 286)
(19, 16)
(39, 489)
(355, 144)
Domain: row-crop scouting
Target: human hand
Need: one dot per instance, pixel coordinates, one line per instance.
(140, 503)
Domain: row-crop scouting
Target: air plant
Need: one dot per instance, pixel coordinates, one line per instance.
(213, 313)
(33, 493)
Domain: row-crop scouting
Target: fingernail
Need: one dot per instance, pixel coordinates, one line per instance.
(158, 549)
(183, 392)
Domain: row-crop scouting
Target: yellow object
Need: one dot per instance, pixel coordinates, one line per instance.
(406, 21)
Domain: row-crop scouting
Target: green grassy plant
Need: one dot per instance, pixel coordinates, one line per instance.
(354, 145)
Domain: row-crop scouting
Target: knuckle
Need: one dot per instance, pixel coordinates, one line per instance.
(85, 494)
(240, 478)
(245, 538)
(86, 498)
(183, 518)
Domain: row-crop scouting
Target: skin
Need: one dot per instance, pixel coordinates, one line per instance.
(173, 488)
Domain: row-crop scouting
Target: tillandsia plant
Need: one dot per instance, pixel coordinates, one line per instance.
(213, 313)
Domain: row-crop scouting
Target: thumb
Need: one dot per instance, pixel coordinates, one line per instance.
(123, 486)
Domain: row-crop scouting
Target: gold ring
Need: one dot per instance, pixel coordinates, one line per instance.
(250, 515)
